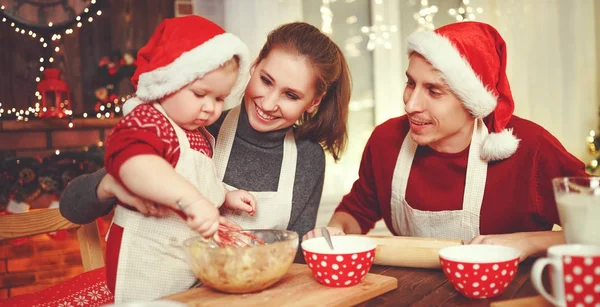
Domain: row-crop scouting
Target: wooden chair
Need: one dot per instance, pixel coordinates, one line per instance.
(89, 287)
(50, 220)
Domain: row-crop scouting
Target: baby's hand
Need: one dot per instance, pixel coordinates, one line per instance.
(202, 216)
(240, 200)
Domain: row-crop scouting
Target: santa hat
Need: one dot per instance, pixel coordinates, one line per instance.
(180, 51)
(471, 57)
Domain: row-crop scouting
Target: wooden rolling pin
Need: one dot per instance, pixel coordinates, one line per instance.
(409, 251)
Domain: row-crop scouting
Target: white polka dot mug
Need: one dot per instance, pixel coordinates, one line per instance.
(346, 265)
(575, 275)
(480, 270)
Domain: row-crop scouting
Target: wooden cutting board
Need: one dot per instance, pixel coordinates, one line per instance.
(297, 288)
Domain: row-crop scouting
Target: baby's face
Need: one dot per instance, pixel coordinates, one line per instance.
(200, 103)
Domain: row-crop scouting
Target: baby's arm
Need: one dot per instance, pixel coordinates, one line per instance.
(160, 183)
(136, 155)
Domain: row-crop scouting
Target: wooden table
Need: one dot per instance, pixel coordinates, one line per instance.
(429, 287)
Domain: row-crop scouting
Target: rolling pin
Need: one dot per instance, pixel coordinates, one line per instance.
(409, 251)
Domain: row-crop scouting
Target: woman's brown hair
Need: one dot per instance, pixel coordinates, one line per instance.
(328, 125)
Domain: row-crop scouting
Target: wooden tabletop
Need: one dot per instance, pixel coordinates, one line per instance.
(429, 287)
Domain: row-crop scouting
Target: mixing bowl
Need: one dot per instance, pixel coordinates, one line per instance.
(480, 270)
(242, 269)
(346, 265)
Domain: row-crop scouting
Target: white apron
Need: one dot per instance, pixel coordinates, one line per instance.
(152, 263)
(450, 224)
(273, 209)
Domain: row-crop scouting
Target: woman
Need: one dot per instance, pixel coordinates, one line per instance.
(295, 104)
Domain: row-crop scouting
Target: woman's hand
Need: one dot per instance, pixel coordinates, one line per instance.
(529, 243)
(110, 187)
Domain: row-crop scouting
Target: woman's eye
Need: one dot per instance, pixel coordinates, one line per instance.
(265, 80)
(291, 96)
(199, 95)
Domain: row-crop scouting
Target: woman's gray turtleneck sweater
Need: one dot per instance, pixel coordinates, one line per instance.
(254, 165)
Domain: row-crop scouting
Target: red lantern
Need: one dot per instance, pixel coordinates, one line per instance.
(56, 98)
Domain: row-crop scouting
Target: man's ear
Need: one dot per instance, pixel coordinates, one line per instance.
(315, 103)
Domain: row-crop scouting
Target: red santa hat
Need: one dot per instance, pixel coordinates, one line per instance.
(471, 56)
(180, 51)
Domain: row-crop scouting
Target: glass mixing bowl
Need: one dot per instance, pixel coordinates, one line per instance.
(242, 269)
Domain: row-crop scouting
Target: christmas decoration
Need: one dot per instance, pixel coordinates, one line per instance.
(24, 179)
(113, 76)
(55, 96)
(465, 11)
(48, 33)
(593, 143)
(424, 16)
(379, 33)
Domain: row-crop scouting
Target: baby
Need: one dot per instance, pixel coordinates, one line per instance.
(161, 151)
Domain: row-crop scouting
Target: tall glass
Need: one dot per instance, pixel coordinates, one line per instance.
(578, 202)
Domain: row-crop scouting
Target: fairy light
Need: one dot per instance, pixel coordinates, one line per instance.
(326, 16)
(54, 38)
(465, 12)
(425, 16)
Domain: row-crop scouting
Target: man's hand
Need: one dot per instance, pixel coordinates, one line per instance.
(529, 243)
(334, 231)
(109, 187)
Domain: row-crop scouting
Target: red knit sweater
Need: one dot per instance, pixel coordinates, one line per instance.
(147, 131)
(518, 191)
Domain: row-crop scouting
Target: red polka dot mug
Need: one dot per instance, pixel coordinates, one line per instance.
(346, 265)
(575, 275)
(480, 270)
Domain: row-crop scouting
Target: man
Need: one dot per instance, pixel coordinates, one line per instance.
(459, 165)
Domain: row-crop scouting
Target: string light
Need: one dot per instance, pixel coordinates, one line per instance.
(425, 16)
(56, 36)
(465, 12)
(379, 33)
(110, 110)
(326, 16)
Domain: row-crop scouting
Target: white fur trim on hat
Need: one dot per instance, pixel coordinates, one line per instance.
(456, 71)
(194, 64)
(130, 104)
(499, 146)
